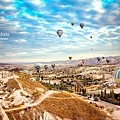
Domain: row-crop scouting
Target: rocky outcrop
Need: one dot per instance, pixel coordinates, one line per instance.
(3, 115)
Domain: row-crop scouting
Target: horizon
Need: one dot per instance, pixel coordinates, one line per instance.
(31, 62)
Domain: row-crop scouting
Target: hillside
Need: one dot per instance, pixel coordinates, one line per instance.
(70, 106)
(59, 106)
(22, 98)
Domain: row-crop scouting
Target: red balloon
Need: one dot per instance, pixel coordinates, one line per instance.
(83, 61)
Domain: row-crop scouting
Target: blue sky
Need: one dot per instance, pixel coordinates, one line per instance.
(28, 29)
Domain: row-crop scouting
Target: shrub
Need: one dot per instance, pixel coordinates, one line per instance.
(95, 98)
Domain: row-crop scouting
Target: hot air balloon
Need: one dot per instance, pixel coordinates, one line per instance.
(90, 36)
(107, 60)
(59, 32)
(70, 57)
(116, 76)
(46, 67)
(25, 71)
(53, 66)
(81, 25)
(83, 61)
(37, 66)
(72, 23)
(98, 58)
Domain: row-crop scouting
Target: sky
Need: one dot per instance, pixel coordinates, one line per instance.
(28, 29)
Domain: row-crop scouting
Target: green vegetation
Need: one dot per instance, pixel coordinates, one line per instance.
(110, 97)
(55, 86)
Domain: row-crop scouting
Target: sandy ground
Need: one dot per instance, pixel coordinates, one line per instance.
(116, 90)
(3, 114)
(116, 109)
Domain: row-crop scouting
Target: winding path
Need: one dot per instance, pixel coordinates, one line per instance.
(38, 101)
(3, 114)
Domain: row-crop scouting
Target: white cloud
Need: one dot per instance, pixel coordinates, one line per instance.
(6, 0)
(21, 53)
(9, 7)
(20, 41)
(24, 32)
(38, 2)
(97, 5)
(103, 30)
(10, 54)
(35, 37)
(2, 19)
(29, 16)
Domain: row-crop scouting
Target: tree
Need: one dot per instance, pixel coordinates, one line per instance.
(77, 86)
(112, 94)
(105, 93)
(119, 97)
(71, 86)
(84, 91)
(37, 79)
(103, 77)
(90, 95)
(41, 77)
(80, 89)
(101, 94)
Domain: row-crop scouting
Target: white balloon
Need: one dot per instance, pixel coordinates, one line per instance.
(37, 66)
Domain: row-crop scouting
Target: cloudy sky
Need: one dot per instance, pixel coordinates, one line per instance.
(28, 29)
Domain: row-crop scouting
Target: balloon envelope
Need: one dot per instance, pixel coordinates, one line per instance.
(98, 58)
(53, 66)
(59, 32)
(37, 66)
(25, 71)
(46, 67)
(72, 23)
(107, 60)
(81, 25)
(70, 57)
(117, 76)
(83, 61)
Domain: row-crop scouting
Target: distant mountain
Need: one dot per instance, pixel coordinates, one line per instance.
(88, 61)
(4, 64)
